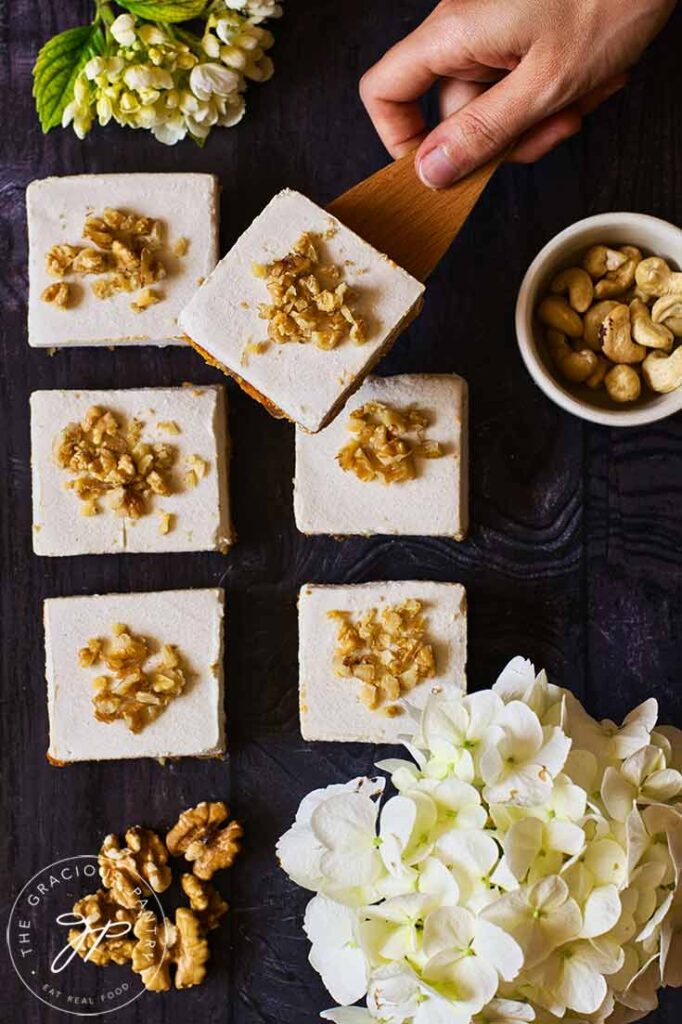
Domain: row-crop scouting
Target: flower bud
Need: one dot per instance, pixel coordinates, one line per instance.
(206, 79)
(123, 29)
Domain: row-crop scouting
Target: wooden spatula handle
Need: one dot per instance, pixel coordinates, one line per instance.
(412, 224)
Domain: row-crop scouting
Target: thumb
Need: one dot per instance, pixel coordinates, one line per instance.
(485, 127)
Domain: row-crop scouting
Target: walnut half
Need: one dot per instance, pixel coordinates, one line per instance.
(100, 910)
(161, 945)
(201, 836)
(121, 867)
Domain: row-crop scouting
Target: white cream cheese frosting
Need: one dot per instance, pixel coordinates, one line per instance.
(192, 724)
(200, 516)
(328, 499)
(188, 205)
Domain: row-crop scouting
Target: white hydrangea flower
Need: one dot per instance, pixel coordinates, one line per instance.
(453, 730)
(529, 869)
(535, 848)
(521, 757)
(466, 956)
(174, 83)
(303, 854)
(643, 777)
(540, 917)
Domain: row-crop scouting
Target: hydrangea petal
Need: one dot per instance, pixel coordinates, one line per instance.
(335, 954)
(499, 949)
(601, 911)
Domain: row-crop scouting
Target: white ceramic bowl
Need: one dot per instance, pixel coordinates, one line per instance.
(656, 238)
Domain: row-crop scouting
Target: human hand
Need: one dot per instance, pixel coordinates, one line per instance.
(521, 72)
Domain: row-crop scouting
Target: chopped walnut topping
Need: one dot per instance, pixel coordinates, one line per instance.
(256, 348)
(125, 248)
(59, 259)
(385, 651)
(386, 442)
(146, 298)
(309, 302)
(201, 836)
(91, 261)
(170, 426)
(122, 867)
(197, 465)
(100, 909)
(141, 683)
(108, 460)
(160, 945)
(166, 522)
(205, 901)
(57, 294)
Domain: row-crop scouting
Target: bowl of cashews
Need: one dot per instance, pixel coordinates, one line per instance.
(599, 319)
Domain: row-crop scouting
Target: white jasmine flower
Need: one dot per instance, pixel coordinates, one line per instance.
(540, 917)
(335, 953)
(123, 29)
(521, 757)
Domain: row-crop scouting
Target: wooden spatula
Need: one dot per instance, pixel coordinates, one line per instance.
(412, 224)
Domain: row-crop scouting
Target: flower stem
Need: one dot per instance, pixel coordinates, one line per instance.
(103, 12)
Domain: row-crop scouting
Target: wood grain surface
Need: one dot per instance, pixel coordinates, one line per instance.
(575, 555)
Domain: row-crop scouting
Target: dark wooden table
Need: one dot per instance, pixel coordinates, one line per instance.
(575, 554)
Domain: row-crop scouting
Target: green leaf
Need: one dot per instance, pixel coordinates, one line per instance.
(165, 10)
(58, 65)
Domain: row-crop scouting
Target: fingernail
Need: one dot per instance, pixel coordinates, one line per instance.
(436, 169)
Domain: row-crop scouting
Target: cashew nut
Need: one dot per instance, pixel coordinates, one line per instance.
(596, 379)
(600, 260)
(578, 284)
(654, 276)
(555, 312)
(616, 338)
(593, 320)
(645, 331)
(666, 309)
(623, 384)
(574, 366)
(663, 373)
(618, 281)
